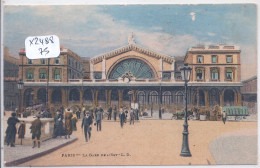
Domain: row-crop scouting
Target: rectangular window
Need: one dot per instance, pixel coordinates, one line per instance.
(229, 58)
(43, 61)
(29, 61)
(43, 76)
(199, 59)
(199, 74)
(30, 74)
(57, 60)
(214, 74)
(229, 74)
(214, 59)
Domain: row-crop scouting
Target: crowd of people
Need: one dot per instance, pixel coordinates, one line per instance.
(65, 122)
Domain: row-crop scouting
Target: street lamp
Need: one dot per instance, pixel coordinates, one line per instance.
(185, 151)
(20, 85)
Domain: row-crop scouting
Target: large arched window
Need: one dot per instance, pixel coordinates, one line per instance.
(167, 97)
(179, 97)
(137, 67)
(153, 97)
(74, 95)
(56, 96)
(141, 97)
(229, 97)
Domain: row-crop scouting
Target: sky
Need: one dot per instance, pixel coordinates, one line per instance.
(91, 30)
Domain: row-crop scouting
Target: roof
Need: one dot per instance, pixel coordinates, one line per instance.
(132, 47)
(250, 79)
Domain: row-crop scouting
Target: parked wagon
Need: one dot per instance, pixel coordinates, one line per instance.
(239, 112)
(181, 115)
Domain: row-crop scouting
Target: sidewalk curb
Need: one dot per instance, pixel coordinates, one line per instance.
(26, 159)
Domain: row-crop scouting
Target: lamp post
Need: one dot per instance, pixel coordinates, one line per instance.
(20, 86)
(160, 99)
(185, 151)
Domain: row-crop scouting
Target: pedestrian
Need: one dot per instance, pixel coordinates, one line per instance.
(115, 112)
(11, 130)
(122, 118)
(68, 123)
(74, 122)
(136, 114)
(224, 116)
(132, 117)
(126, 112)
(87, 122)
(21, 131)
(58, 125)
(36, 131)
(109, 113)
(98, 119)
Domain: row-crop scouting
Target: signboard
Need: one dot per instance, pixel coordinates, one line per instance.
(42, 46)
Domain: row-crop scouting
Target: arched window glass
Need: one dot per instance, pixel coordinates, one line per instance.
(199, 74)
(29, 74)
(57, 74)
(43, 74)
(214, 74)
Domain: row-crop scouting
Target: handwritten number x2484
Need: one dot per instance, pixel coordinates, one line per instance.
(46, 51)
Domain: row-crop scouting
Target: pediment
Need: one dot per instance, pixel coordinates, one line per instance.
(131, 47)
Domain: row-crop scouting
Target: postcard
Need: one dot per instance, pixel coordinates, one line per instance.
(129, 85)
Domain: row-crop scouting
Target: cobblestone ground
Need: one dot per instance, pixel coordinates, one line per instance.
(148, 142)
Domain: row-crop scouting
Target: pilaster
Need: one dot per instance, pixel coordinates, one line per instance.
(104, 68)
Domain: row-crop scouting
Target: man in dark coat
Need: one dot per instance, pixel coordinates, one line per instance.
(11, 130)
(98, 120)
(36, 131)
(122, 118)
(21, 131)
(86, 122)
(58, 125)
(109, 113)
(115, 112)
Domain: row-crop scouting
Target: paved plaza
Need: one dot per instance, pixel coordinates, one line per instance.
(153, 142)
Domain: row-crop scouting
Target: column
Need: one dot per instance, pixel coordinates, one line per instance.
(239, 99)
(64, 97)
(35, 98)
(173, 73)
(120, 97)
(106, 92)
(81, 97)
(49, 97)
(160, 67)
(134, 96)
(91, 70)
(206, 92)
(222, 98)
(109, 97)
(96, 98)
(104, 68)
(93, 97)
(198, 97)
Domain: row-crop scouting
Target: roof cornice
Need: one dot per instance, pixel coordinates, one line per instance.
(131, 47)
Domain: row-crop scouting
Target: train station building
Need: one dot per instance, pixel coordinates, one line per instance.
(133, 73)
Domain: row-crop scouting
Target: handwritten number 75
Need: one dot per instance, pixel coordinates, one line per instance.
(46, 51)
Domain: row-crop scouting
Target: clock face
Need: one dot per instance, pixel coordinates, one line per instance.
(126, 80)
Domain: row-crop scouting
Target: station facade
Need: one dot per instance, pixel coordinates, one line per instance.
(133, 73)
